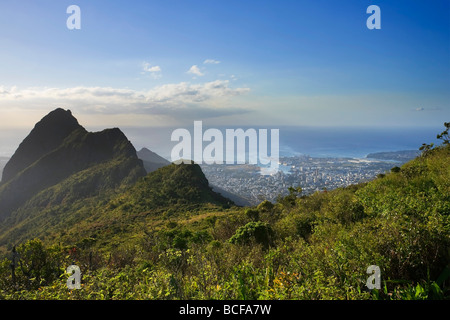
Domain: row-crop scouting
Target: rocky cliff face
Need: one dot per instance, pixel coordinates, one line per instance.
(46, 136)
(58, 149)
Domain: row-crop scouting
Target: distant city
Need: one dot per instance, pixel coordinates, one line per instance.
(245, 185)
(310, 173)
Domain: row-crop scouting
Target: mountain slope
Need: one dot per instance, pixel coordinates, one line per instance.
(47, 135)
(83, 180)
(151, 160)
(171, 190)
(59, 159)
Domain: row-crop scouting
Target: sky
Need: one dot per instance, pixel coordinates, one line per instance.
(225, 62)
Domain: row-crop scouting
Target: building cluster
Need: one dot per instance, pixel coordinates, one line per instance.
(311, 174)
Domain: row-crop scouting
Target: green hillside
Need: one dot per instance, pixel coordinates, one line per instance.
(184, 244)
(170, 237)
(173, 192)
(68, 202)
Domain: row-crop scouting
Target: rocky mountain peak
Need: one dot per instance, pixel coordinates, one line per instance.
(46, 135)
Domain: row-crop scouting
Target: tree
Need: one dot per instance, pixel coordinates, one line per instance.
(444, 134)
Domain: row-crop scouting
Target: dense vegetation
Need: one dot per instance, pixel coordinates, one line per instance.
(169, 237)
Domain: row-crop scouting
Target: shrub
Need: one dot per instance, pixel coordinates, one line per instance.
(258, 231)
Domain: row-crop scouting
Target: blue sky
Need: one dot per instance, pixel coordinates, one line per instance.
(252, 62)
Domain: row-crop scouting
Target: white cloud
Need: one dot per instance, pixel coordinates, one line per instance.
(196, 71)
(154, 71)
(427, 109)
(209, 98)
(211, 61)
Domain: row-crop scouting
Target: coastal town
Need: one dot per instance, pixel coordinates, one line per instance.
(245, 185)
(310, 173)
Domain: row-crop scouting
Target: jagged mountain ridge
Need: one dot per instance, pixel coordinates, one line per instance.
(57, 148)
(87, 178)
(46, 136)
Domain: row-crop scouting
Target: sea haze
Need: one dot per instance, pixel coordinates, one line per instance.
(313, 141)
(352, 142)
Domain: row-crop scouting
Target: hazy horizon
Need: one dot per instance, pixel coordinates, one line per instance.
(311, 140)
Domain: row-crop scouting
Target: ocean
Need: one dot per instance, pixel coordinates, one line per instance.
(312, 141)
(352, 142)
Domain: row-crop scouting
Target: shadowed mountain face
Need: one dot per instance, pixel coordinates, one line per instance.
(46, 136)
(58, 148)
(152, 161)
(81, 183)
